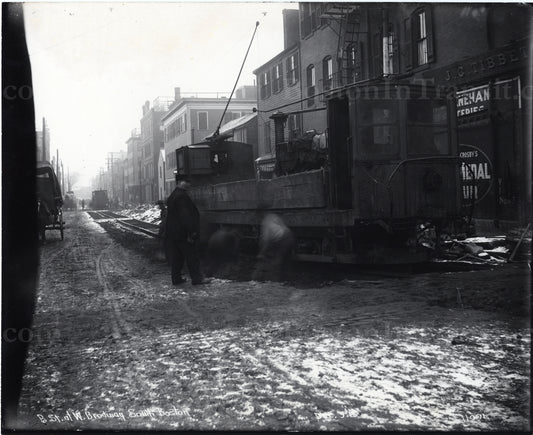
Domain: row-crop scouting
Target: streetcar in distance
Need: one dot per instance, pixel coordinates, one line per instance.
(49, 201)
(100, 200)
(386, 167)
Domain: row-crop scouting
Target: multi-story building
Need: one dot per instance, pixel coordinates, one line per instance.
(479, 52)
(193, 117)
(151, 144)
(115, 176)
(279, 87)
(133, 170)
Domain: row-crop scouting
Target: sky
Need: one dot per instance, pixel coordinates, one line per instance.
(94, 64)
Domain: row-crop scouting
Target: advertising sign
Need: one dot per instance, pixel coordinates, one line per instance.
(476, 174)
(473, 100)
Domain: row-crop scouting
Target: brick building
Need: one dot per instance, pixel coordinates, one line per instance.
(133, 170)
(479, 52)
(278, 85)
(151, 144)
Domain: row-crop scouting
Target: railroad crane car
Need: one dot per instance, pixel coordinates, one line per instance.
(390, 166)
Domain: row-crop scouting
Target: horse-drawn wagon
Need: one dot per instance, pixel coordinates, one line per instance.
(49, 200)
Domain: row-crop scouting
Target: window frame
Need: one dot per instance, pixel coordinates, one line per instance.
(206, 120)
(311, 84)
(327, 73)
(394, 126)
(435, 125)
(277, 78)
(292, 69)
(265, 85)
(413, 38)
(268, 137)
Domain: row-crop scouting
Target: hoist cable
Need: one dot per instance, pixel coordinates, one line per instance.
(236, 81)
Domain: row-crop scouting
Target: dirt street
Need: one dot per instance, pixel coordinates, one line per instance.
(116, 346)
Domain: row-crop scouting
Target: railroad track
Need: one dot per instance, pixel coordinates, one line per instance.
(132, 224)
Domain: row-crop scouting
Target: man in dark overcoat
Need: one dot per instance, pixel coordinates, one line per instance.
(182, 232)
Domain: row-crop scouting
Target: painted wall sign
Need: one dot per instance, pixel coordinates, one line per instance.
(496, 61)
(476, 174)
(473, 100)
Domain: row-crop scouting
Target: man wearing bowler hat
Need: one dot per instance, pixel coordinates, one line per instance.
(182, 233)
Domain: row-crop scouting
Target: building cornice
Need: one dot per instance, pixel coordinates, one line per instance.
(207, 104)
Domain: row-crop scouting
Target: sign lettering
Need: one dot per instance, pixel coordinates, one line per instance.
(497, 61)
(472, 101)
(476, 174)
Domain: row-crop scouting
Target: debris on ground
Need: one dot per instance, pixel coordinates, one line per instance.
(492, 250)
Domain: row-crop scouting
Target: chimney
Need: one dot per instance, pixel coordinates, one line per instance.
(291, 27)
(177, 94)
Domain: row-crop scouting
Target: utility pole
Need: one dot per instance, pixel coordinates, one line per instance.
(62, 177)
(44, 140)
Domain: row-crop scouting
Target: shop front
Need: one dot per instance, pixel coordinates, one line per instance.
(492, 96)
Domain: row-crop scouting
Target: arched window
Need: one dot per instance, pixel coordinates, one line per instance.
(327, 72)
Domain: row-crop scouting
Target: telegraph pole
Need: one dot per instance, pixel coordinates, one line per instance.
(62, 177)
(44, 140)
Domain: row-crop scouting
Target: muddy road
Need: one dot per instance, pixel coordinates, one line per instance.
(116, 346)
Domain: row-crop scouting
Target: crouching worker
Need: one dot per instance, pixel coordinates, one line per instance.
(222, 253)
(276, 249)
(182, 232)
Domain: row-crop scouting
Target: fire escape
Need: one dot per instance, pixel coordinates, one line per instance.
(345, 19)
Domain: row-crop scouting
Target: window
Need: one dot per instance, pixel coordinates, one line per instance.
(310, 17)
(327, 72)
(294, 125)
(264, 80)
(391, 59)
(202, 120)
(427, 132)
(277, 78)
(292, 70)
(418, 48)
(176, 128)
(268, 145)
(378, 128)
(311, 81)
(421, 39)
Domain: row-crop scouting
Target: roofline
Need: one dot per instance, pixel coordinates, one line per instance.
(184, 101)
(281, 54)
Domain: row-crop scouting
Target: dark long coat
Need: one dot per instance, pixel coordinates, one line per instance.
(183, 218)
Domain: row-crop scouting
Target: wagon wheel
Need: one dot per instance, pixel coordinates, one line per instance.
(61, 224)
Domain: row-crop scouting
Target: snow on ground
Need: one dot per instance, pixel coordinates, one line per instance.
(144, 212)
(252, 355)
